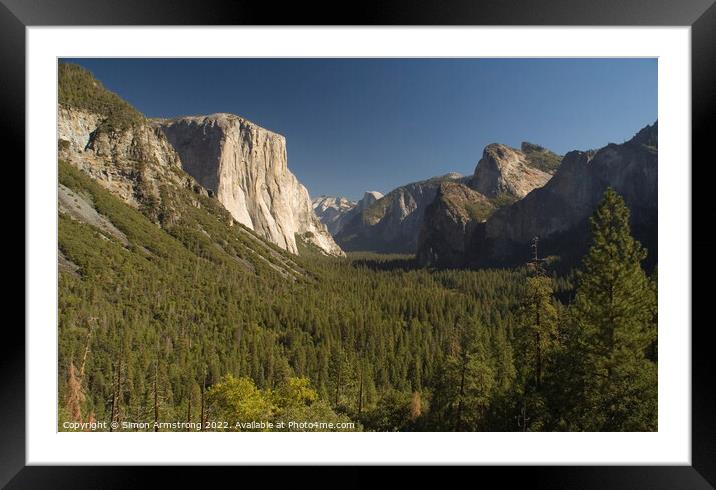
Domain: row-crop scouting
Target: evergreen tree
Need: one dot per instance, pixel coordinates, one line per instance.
(538, 319)
(536, 344)
(613, 315)
(465, 382)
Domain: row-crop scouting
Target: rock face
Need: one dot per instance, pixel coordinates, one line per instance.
(392, 223)
(368, 199)
(335, 212)
(558, 212)
(449, 224)
(242, 164)
(76, 126)
(131, 163)
(246, 167)
(82, 209)
(506, 171)
(397, 222)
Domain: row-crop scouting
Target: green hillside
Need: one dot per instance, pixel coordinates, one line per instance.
(203, 310)
(541, 158)
(78, 88)
(199, 299)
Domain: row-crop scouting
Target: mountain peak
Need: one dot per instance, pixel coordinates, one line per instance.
(371, 196)
(498, 151)
(506, 170)
(649, 135)
(528, 147)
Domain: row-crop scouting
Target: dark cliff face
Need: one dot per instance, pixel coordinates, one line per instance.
(449, 224)
(197, 143)
(558, 212)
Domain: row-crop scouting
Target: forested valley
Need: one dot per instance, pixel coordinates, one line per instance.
(175, 312)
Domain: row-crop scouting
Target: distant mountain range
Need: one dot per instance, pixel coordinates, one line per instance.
(335, 212)
(393, 223)
(514, 196)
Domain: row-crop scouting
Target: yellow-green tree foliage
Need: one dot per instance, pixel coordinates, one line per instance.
(237, 400)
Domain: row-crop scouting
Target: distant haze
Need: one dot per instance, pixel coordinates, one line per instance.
(354, 125)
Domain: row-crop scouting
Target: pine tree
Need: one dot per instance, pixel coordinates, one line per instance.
(614, 322)
(464, 382)
(539, 337)
(536, 341)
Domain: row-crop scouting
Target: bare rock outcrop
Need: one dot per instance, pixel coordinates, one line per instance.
(246, 167)
(398, 222)
(503, 175)
(506, 171)
(558, 213)
(368, 199)
(130, 162)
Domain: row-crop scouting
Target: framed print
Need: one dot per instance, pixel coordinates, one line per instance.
(430, 236)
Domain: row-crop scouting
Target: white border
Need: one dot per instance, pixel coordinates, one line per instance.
(670, 445)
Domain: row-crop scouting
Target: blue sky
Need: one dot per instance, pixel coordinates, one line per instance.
(353, 125)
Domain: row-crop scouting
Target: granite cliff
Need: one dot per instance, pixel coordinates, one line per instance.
(505, 171)
(246, 167)
(449, 223)
(396, 222)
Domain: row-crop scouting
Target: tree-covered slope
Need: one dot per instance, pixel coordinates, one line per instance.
(540, 157)
(181, 305)
(78, 88)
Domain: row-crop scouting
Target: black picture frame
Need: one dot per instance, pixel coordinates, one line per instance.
(16, 15)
